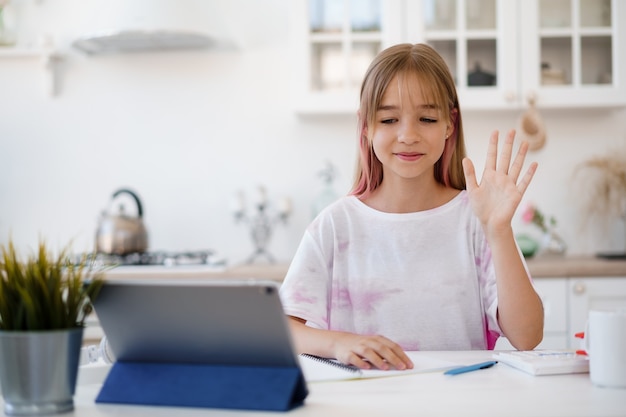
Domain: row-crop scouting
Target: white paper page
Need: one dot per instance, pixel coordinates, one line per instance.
(317, 371)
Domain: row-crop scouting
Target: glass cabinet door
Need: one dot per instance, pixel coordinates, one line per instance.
(472, 37)
(470, 33)
(345, 35)
(575, 42)
(596, 42)
(336, 42)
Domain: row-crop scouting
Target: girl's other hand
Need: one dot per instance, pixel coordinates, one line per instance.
(368, 352)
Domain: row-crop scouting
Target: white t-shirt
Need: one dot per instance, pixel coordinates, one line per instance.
(424, 280)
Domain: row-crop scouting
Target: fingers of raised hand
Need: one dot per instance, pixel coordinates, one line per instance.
(470, 174)
(525, 181)
(505, 154)
(518, 162)
(504, 164)
(492, 152)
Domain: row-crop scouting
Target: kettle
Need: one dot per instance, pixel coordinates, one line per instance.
(119, 233)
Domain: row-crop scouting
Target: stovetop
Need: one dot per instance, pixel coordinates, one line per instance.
(162, 258)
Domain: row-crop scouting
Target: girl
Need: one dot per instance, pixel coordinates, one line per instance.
(419, 256)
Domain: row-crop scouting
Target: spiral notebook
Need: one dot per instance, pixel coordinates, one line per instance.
(318, 369)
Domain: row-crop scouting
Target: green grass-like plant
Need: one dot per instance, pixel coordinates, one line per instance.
(44, 292)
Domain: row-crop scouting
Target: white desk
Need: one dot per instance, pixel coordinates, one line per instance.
(497, 391)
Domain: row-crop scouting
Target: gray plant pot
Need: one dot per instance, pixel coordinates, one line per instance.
(38, 370)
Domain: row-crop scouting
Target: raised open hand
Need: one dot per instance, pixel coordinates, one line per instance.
(499, 193)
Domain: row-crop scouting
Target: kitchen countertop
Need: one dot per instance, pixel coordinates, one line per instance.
(540, 267)
(274, 272)
(576, 266)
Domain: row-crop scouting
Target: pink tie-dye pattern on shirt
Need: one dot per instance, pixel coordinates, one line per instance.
(362, 302)
(491, 336)
(299, 298)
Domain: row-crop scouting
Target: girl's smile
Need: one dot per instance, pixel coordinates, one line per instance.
(408, 156)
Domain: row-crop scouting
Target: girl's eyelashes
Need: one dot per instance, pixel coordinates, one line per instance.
(428, 120)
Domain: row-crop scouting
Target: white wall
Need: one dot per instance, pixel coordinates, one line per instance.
(187, 130)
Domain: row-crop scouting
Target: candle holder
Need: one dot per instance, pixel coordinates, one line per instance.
(261, 222)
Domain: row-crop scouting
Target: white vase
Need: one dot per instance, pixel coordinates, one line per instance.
(38, 370)
(552, 244)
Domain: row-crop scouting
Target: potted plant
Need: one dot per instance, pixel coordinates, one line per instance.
(44, 300)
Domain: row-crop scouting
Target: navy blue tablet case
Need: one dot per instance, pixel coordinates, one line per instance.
(214, 386)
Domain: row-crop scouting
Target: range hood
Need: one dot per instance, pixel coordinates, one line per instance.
(142, 40)
(123, 26)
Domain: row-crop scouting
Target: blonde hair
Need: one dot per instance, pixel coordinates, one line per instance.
(438, 87)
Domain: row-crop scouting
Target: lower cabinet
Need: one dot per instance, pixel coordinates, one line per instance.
(597, 293)
(567, 302)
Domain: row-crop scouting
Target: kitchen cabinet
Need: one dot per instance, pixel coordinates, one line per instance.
(46, 57)
(593, 293)
(502, 53)
(558, 53)
(478, 40)
(333, 43)
(572, 52)
(567, 302)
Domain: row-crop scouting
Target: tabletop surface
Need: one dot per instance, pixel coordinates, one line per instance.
(496, 391)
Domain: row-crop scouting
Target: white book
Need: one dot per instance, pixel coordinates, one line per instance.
(545, 362)
(317, 369)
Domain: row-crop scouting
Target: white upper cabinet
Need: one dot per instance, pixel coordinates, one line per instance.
(334, 41)
(478, 40)
(560, 53)
(573, 52)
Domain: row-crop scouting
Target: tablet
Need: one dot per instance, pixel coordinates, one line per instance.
(234, 322)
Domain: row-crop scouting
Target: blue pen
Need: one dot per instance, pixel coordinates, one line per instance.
(470, 368)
